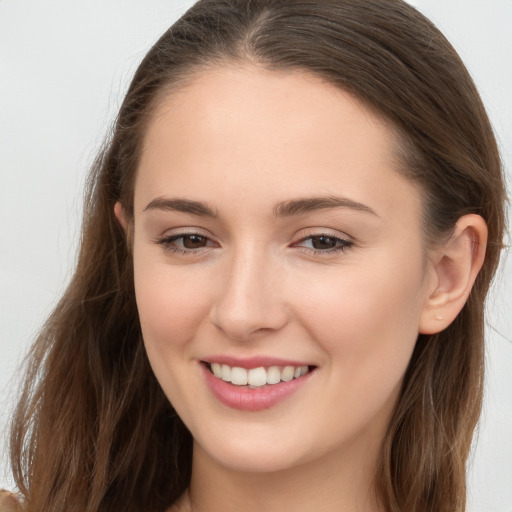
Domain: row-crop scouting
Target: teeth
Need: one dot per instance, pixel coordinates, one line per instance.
(257, 377)
(273, 375)
(226, 373)
(238, 376)
(287, 373)
(217, 370)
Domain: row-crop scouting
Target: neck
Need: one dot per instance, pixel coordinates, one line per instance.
(336, 482)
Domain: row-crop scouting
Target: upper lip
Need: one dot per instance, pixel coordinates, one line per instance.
(253, 362)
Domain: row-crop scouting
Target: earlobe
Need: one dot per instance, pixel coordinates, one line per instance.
(120, 215)
(455, 266)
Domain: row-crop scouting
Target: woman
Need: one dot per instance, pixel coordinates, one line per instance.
(289, 238)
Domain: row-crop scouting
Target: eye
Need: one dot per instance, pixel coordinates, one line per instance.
(192, 241)
(325, 244)
(185, 243)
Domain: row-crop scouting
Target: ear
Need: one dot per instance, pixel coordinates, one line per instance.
(120, 214)
(454, 267)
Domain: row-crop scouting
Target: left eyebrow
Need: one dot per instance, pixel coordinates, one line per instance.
(311, 204)
(182, 205)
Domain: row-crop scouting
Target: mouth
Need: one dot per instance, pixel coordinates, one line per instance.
(257, 383)
(253, 378)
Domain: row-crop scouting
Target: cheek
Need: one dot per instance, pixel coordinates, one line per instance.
(367, 322)
(367, 326)
(171, 304)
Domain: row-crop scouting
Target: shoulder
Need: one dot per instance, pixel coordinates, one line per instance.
(9, 502)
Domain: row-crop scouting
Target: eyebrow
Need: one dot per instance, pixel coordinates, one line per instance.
(182, 205)
(311, 204)
(289, 208)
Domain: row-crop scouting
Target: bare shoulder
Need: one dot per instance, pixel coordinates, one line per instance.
(9, 502)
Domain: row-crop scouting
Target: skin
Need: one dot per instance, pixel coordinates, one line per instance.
(254, 284)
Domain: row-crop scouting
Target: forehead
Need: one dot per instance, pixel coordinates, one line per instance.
(279, 133)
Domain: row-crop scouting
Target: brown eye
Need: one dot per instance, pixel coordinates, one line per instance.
(186, 243)
(324, 242)
(194, 241)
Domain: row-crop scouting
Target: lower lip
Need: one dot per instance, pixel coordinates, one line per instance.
(248, 399)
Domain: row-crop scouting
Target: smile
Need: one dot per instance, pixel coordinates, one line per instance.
(257, 377)
(262, 386)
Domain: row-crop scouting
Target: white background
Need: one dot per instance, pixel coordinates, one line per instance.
(64, 67)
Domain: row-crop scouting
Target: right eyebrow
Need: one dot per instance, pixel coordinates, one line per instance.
(182, 205)
(305, 205)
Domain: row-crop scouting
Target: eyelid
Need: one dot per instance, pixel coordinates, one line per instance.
(306, 233)
(343, 241)
(167, 241)
(184, 231)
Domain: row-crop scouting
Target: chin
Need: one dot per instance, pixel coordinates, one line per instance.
(250, 459)
(261, 450)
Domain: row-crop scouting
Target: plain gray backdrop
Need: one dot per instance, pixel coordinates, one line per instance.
(64, 67)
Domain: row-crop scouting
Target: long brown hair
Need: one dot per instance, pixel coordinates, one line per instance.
(93, 430)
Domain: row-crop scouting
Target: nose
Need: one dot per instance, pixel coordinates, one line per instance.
(250, 298)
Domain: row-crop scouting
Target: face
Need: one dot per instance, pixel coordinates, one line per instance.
(280, 270)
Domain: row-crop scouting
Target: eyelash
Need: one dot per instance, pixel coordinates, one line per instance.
(342, 244)
(168, 243)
